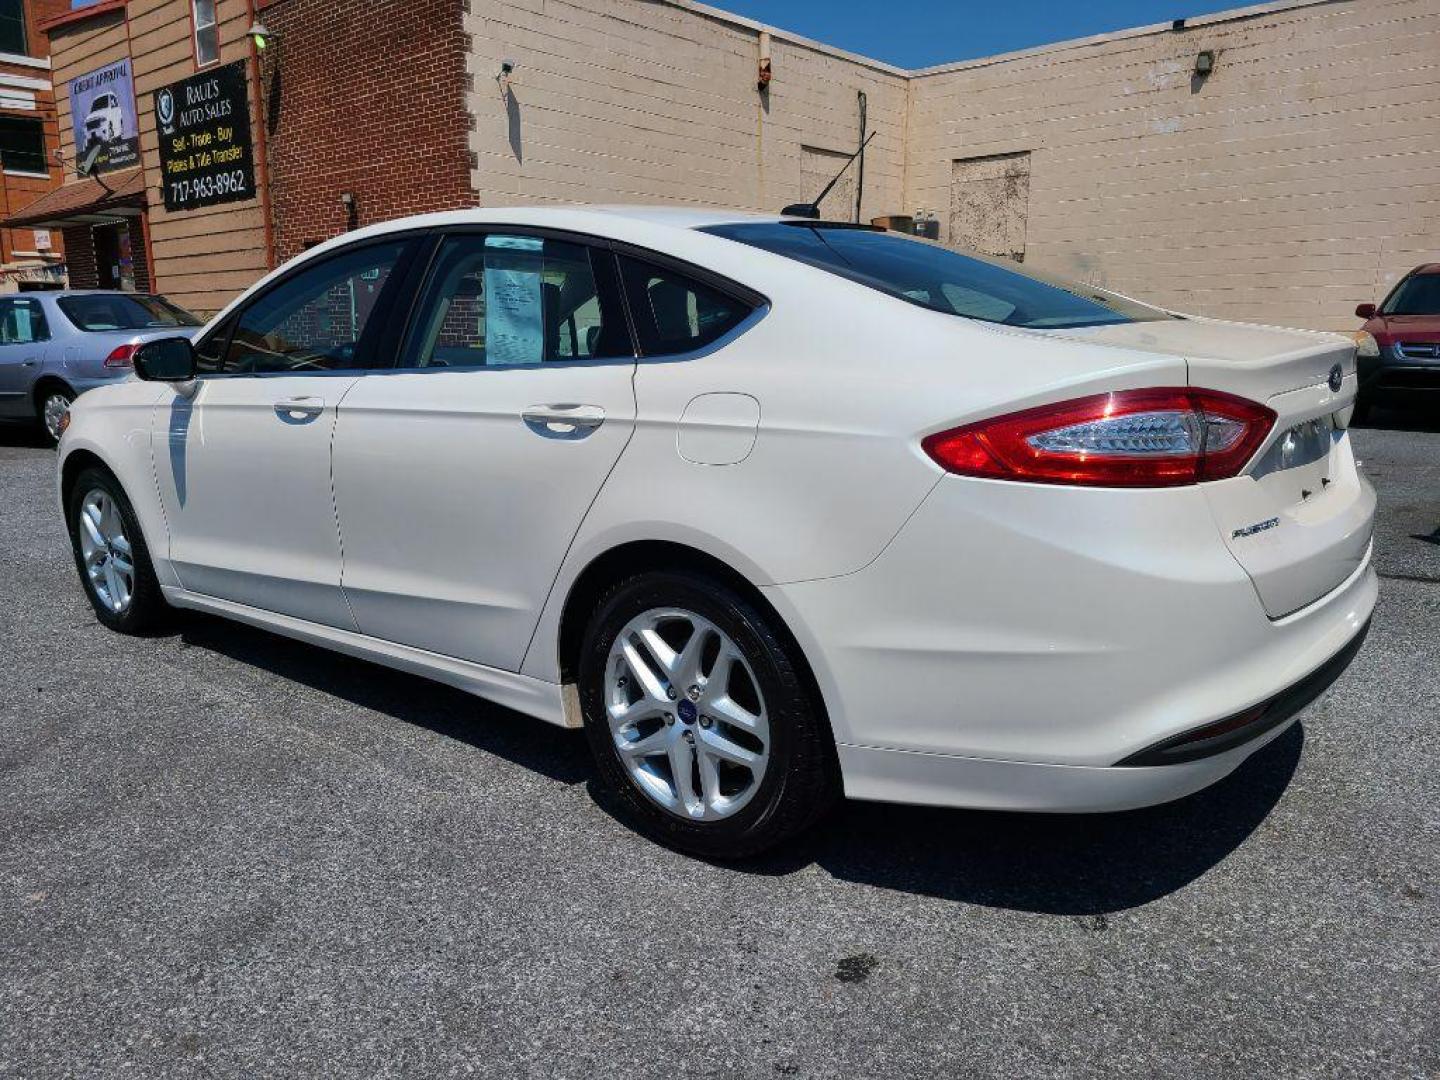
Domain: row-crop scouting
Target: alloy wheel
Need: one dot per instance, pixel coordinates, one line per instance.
(54, 410)
(686, 714)
(109, 560)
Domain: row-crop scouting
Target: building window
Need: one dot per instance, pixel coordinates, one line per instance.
(12, 27)
(22, 145)
(207, 32)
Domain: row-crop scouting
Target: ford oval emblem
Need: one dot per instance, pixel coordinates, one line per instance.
(1337, 376)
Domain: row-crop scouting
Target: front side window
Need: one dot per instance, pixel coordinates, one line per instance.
(210, 350)
(930, 275)
(103, 312)
(314, 320)
(504, 301)
(207, 32)
(22, 145)
(22, 322)
(673, 312)
(12, 28)
(1418, 294)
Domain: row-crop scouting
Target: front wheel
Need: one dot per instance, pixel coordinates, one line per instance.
(700, 718)
(111, 555)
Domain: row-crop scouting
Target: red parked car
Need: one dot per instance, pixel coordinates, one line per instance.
(1399, 345)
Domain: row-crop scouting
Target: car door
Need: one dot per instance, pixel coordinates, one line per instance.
(22, 345)
(462, 476)
(242, 455)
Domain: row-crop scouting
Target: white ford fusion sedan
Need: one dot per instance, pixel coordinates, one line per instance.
(776, 509)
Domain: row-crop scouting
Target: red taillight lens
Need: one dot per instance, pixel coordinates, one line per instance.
(123, 356)
(1130, 438)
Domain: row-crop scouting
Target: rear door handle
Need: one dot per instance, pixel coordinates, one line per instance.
(563, 421)
(299, 410)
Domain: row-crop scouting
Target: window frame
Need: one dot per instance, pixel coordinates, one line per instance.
(7, 302)
(396, 343)
(392, 298)
(757, 302)
(195, 28)
(24, 49)
(44, 157)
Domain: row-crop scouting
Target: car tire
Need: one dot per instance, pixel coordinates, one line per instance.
(50, 407)
(117, 529)
(799, 777)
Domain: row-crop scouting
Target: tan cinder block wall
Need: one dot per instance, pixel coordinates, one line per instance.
(637, 101)
(1300, 178)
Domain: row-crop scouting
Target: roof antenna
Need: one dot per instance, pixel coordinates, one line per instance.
(812, 209)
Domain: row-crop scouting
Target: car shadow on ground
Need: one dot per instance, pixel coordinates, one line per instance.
(1080, 865)
(1395, 418)
(18, 433)
(1059, 864)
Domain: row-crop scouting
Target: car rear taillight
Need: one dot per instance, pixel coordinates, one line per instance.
(1130, 438)
(123, 356)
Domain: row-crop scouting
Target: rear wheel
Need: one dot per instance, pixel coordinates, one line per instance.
(700, 719)
(52, 405)
(111, 555)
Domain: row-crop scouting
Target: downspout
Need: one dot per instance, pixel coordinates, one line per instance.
(262, 144)
(152, 272)
(860, 165)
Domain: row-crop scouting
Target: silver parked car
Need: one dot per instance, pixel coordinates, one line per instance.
(56, 345)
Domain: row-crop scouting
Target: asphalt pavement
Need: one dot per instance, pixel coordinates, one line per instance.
(223, 853)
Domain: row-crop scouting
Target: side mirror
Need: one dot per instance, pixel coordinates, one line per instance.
(169, 359)
(1365, 311)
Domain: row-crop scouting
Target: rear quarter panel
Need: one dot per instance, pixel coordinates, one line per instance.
(848, 382)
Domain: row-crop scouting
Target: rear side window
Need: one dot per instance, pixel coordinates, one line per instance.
(104, 312)
(22, 322)
(674, 313)
(497, 300)
(315, 319)
(930, 275)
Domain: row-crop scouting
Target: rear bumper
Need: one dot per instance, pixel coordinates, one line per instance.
(1012, 646)
(904, 776)
(1144, 779)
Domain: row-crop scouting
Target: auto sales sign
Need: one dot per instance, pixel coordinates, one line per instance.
(205, 150)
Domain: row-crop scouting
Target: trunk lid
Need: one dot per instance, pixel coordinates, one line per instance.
(1299, 519)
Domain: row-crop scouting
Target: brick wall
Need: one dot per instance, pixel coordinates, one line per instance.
(80, 257)
(398, 144)
(138, 256)
(17, 192)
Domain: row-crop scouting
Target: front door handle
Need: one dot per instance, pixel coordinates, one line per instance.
(563, 421)
(299, 410)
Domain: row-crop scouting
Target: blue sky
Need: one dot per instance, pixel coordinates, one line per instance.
(919, 33)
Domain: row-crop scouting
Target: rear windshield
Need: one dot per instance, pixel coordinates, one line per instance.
(113, 311)
(1418, 295)
(925, 273)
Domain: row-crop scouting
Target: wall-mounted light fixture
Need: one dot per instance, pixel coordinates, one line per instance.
(1204, 63)
(507, 71)
(352, 214)
(260, 35)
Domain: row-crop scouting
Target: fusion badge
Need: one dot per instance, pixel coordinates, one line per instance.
(1258, 527)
